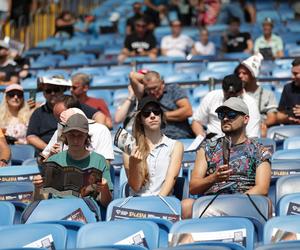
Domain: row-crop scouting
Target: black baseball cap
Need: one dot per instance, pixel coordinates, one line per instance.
(146, 100)
(232, 83)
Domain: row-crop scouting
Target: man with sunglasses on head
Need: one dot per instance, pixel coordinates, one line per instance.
(232, 86)
(174, 102)
(231, 164)
(42, 123)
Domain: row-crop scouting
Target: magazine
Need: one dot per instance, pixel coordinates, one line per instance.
(235, 235)
(195, 145)
(76, 215)
(282, 235)
(45, 242)
(124, 141)
(135, 239)
(14, 45)
(70, 180)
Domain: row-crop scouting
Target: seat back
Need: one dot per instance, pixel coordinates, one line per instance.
(148, 204)
(287, 185)
(115, 231)
(7, 213)
(284, 223)
(17, 236)
(287, 154)
(20, 153)
(59, 209)
(288, 205)
(213, 229)
(283, 132)
(292, 143)
(17, 191)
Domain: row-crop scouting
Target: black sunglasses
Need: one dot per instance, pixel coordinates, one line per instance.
(53, 89)
(229, 114)
(146, 113)
(12, 94)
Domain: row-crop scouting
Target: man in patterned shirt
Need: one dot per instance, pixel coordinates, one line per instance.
(230, 164)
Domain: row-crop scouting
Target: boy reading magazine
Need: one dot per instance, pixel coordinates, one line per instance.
(75, 135)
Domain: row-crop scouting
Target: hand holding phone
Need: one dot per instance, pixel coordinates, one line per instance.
(222, 173)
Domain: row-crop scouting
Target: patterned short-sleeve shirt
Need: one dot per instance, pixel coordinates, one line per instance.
(244, 159)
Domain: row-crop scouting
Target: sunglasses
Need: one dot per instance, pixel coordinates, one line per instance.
(147, 113)
(229, 114)
(12, 94)
(51, 90)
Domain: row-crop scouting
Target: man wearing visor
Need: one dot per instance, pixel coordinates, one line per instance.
(205, 116)
(231, 164)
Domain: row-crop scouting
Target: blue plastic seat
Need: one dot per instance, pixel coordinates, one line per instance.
(281, 73)
(207, 74)
(215, 225)
(262, 14)
(228, 66)
(287, 154)
(92, 71)
(189, 68)
(20, 173)
(176, 78)
(17, 236)
(285, 204)
(284, 167)
(285, 223)
(30, 162)
(114, 231)
(235, 205)
(280, 133)
(206, 246)
(20, 153)
(292, 143)
(167, 205)
(287, 185)
(108, 81)
(291, 245)
(7, 213)
(43, 211)
(17, 191)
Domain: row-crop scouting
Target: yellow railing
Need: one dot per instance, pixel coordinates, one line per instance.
(42, 21)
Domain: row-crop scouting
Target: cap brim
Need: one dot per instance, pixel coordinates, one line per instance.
(77, 129)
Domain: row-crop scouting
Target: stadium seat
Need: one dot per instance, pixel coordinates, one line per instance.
(284, 223)
(236, 55)
(155, 204)
(176, 78)
(284, 167)
(285, 205)
(287, 154)
(280, 133)
(20, 153)
(17, 236)
(257, 209)
(17, 191)
(287, 185)
(91, 71)
(30, 162)
(207, 74)
(105, 94)
(115, 231)
(108, 81)
(189, 68)
(262, 14)
(7, 213)
(39, 211)
(19, 173)
(292, 143)
(213, 228)
(281, 73)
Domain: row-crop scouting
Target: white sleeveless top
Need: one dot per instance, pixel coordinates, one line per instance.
(158, 163)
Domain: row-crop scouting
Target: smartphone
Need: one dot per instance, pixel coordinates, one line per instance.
(226, 150)
(289, 111)
(32, 94)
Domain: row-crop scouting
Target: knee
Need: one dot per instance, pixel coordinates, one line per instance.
(187, 208)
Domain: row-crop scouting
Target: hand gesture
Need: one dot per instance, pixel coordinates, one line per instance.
(56, 148)
(102, 186)
(222, 173)
(136, 156)
(38, 181)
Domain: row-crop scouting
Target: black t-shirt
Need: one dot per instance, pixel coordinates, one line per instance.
(133, 42)
(290, 97)
(43, 123)
(238, 42)
(9, 70)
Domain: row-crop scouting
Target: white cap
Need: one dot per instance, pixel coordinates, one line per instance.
(65, 115)
(253, 64)
(56, 81)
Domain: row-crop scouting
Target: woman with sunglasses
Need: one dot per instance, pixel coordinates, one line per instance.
(155, 161)
(15, 113)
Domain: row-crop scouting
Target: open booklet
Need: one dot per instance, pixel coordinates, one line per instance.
(45, 242)
(124, 141)
(282, 235)
(70, 180)
(235, 235)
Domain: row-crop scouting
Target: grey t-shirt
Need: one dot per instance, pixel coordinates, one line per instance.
(266, 101)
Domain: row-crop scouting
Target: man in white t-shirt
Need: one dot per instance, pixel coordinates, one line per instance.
(205, 114)
(101, 141)
(176, 44)
(204, 46)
